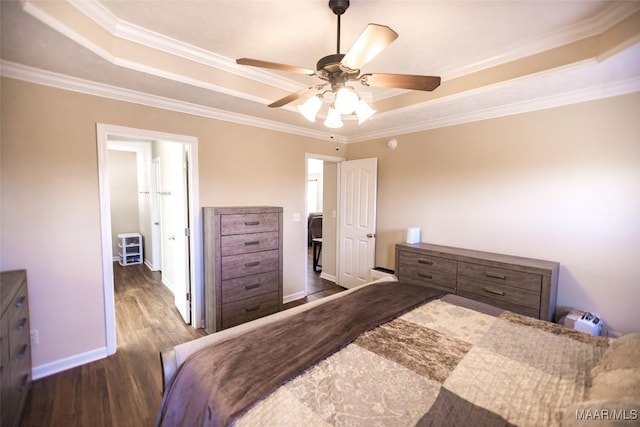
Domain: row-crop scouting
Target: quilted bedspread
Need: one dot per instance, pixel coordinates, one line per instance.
(442, 364)
(449, 361)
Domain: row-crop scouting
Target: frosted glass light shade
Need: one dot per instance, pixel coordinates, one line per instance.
(363, 111)
(346, 100)
(333, 119)
(310, 108)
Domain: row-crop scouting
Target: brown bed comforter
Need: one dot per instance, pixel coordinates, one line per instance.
(216, 384)
(388, 354)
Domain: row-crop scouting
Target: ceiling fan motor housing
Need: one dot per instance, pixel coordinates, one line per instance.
(329, 69)
(339, 6)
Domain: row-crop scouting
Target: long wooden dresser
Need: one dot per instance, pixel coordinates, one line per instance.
(242, 264)
(522, 285)
(15, 345)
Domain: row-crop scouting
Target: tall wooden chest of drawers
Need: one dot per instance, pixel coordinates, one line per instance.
(522, 285)
(242, 264)
(15, 345)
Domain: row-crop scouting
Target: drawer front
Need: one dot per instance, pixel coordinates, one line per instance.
(4, 360)
(19, 340)
(501, 276)
(426, 276)
(249, 223)
(527, 311)
(427, 261)
(248, 264)
(249, 286)
(238, 312)
(245, 243)
(500, 292)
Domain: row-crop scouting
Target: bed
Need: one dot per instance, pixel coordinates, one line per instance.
(393, 353)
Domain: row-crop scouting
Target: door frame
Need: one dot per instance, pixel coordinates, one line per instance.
(326, 158)
(103, 132)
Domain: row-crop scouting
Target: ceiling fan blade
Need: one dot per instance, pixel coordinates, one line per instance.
(401, 81)
(274, 66)
(371, 42)
(291, 97)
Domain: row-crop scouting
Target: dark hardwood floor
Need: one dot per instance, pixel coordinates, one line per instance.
(125, 389)
(317, 287)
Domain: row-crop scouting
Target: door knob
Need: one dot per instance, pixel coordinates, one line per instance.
(370, 235)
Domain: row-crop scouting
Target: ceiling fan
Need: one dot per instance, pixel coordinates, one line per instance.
(338, 69)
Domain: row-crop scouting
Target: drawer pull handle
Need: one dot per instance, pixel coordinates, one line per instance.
(22, 325)
(496, 276)
(425, 261)
(252, 264)
(426, 276)
(20, 302)
(252, 243)
(253, 286)
(494, 291)
(252, 223)
(23, 352)
(254, 308)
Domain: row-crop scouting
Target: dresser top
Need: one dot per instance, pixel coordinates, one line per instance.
(10, 282)
(222, 210)
(470, 255)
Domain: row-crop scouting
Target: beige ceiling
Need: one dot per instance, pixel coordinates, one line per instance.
(495, 57)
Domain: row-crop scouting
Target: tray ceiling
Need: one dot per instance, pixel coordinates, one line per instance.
(495, 57)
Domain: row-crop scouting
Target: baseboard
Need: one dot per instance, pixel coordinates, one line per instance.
(54, 367)
(293, 297)
(168, 284)
(149, 265)
(329, 277)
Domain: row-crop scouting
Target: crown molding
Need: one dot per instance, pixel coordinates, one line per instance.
(60, 81)
(591, 93)
(598, 24)
(117, 27)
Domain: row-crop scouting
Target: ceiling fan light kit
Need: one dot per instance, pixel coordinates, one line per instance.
(310, 108)
(346, 100)
(338, 69)
(333, 120)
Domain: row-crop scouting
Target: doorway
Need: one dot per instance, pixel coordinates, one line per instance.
(185, 244)
(321, 222)
(348, 200)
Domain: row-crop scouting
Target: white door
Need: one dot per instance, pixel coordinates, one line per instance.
(358, 190)
(175, 225)
(156, 216)
(182, 254)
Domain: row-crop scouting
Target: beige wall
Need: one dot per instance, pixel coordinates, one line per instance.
(561, 184)
(50, 201)
(123, 192)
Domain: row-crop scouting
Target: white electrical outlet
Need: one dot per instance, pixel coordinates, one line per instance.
(35, 337)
